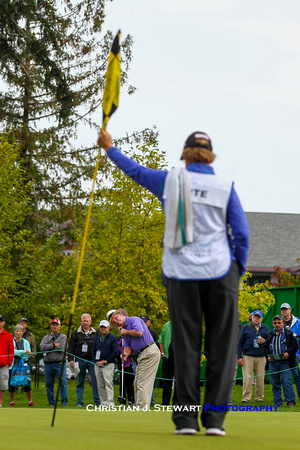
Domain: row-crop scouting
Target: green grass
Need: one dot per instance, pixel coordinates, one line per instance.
(77, 429)
(40, 398)
(74, 428)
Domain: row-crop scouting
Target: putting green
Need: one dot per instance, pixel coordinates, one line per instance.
(77, 428)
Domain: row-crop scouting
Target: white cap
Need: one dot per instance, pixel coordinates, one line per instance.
(104, 323)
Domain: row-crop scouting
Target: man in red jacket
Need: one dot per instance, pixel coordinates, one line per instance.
(6, 358)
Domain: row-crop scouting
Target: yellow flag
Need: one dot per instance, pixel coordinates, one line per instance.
(112, 82)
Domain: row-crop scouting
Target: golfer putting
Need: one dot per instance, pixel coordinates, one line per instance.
(205, 250)
(138, 338)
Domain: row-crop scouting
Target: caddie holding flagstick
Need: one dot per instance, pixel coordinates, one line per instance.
(205, 251)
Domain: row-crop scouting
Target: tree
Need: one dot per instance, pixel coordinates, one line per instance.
(253, 297)
(124, 268)
(14, 205)
(284, 278)
(53, 62)
(122, 265)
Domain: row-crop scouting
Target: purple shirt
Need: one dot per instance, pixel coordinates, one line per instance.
(127, 361)
(137, 324)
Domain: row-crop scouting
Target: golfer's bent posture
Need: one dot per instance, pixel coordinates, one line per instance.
(138, 338)
(205, 251)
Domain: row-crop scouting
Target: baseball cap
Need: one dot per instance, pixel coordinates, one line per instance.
(198, 139)
(285, 305)
(2, 318)
(277, 317)
(55, 321)
(257, 312)
(104, 323)
(23, 319)
(145, 318)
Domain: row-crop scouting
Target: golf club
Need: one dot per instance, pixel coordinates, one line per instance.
(121, 398)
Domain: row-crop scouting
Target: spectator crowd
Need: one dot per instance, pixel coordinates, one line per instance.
(96, 353)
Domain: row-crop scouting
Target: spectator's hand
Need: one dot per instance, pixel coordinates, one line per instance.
(104, 140)
(286, 356)
(240, 362)
(29, 352)
(57, 344)
(270, 359)
(261, 340)
(72, 364)
(101, 363)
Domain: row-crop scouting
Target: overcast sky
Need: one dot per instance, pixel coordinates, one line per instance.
(227, 67)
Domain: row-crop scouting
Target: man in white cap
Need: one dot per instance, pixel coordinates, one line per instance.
(138, 338)
(205, 250)
(292, 323)
(104, 353)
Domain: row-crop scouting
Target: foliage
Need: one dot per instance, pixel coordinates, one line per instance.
(122, 265)
(14, 204)
(53, 60)
(123, 269)
(253, 297)
(284, 278)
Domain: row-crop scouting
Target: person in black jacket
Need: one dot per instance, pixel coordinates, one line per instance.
(105, 352)
(280, 348)
(80, 347)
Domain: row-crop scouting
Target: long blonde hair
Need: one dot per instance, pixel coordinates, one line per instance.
(198, 154)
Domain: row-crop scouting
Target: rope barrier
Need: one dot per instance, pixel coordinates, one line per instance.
(157, 378)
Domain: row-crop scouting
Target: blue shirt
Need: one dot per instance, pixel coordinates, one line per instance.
(136, 343)
(278, 344)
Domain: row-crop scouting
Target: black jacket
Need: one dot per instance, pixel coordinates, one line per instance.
(78, 338)
(109, 348)
(291, 342)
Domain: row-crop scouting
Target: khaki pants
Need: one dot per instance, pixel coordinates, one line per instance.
(105, 383)
(256, 364)
(148, 362)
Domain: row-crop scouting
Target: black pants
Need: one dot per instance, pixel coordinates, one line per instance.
(168, 372)
(217, 300)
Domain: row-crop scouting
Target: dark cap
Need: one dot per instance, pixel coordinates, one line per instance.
(198, 139)
(23, 319)
(145, 318)
(277, 317)
(2, 318)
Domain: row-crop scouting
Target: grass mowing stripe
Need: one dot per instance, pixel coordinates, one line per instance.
(75, 429)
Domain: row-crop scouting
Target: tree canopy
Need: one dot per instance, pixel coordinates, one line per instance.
(53, 57)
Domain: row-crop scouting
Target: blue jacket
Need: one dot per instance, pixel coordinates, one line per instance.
(246, 341)
(20, 353)
(109, 348)
(295, 328)
(154, 181)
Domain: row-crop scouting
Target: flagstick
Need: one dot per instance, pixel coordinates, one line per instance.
(77, 281)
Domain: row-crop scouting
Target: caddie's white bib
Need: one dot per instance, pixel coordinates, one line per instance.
(208, 256)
